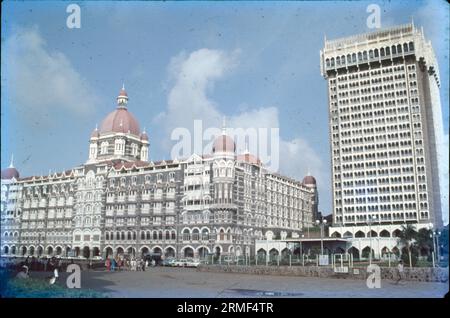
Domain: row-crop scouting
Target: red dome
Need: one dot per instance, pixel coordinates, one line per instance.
(249, 158)
(309, 180)
(224, 143)
(120, 120)
(9, 173)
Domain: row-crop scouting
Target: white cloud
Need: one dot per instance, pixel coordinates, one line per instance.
(194, 76)
(41, 81)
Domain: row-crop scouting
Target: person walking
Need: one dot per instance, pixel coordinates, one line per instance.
(108, 264)
(399, 272)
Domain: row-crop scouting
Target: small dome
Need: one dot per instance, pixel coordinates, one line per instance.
(144, 136)
(9, 173)
(249, 158)
(224, 143)
(309, 181)
(123, 92)
(95, 133)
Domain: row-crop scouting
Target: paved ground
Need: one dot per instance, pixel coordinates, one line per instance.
(188, 283)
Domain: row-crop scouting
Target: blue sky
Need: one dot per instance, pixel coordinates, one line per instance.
(254, 62)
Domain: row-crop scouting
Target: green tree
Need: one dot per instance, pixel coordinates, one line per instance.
(425, 240)
(408, 237)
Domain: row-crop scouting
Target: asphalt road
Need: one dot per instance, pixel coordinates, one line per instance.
(188, 283)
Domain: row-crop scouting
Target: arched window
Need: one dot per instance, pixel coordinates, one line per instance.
(394, 49)
(104, 148)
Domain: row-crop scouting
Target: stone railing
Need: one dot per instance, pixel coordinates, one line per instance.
(422, 274)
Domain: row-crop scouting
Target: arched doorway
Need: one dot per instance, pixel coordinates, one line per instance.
(157, 250)
(261, 254)
(86, 252)
(50, 251)
(384, 252)
(120, 251)
(354, 252)
(40, 250)
(336, 235)
(366, 252)
(96, 251)
(348, 235)
(31, 251)
(144, 251)
(396, 251)
(24, 250)
(109, 252)
(170, 252)
(217, 251)
(273, 254)
(203, 252)
(58, 250)
(13, 250)
(131, 251)
(188, 252)
(5, 250)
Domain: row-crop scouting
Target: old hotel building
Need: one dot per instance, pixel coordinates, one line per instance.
(385, 128)
(120, 203)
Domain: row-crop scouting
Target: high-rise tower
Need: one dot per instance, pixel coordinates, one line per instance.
(385, 128)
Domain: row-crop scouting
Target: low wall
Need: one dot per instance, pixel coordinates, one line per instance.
(421, 274)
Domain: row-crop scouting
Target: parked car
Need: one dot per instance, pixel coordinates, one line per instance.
(192, 263)
(180, 263)
(97, 258)
(168, 262)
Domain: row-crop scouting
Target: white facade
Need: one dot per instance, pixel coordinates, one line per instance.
(385, 129)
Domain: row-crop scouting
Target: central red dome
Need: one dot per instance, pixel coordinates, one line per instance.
(121, 121)
(224, 143)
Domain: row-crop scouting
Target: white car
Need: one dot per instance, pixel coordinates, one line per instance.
(180, 263)
(96, 258)
(192, 263)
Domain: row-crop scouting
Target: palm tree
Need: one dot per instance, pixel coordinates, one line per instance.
(425, 240)
(407, 238)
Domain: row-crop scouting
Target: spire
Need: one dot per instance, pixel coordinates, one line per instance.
(123, 86)
(224, 125)
(11, 165)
